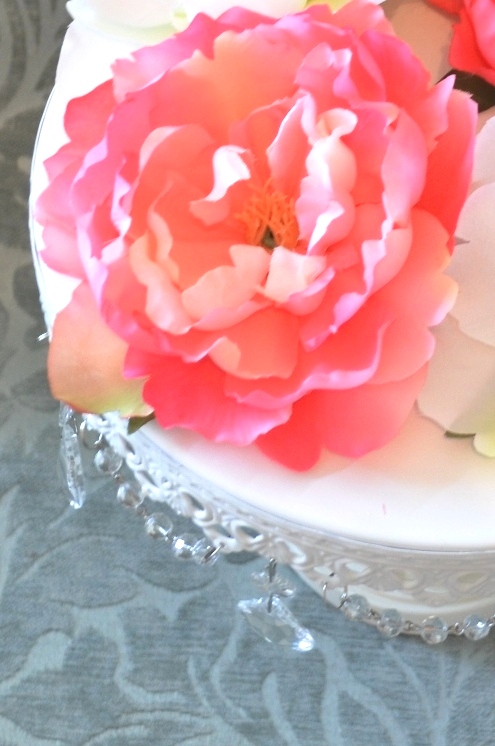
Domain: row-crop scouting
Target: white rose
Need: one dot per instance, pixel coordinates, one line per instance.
(150, 21)
(460, 390)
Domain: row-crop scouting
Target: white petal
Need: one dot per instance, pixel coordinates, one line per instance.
(484, 154)
(473, 266)
(459, 393)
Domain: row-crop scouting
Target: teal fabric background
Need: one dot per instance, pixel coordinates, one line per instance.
(105, 639)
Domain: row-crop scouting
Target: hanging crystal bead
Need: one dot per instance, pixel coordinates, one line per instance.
(390, 623)
(277, 625)
(129, 496)
(183, 546)
(433, 630)
(70, 456)
(107, 461)
(475, 627)
(204, 553)
(356, 608)
(159, 526)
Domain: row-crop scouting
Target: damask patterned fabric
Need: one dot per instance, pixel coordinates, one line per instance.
(105, 639)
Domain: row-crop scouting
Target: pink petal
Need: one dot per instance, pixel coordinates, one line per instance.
(264, 344)
(257, 132)
(349, 423)
(296, 444)
(227, 287)
(199, 403)
(447, 178)
(287, 172)
(404, 169)
(362, 16)
(291, 273)
(357, 421)
(354, 277)
(450, 6)
(404, 77)
(421, 290)
(345, 360)
(228, 169)
(86, 117)
(473, 41)
(164, 305)
(407, 346)
(149, 62)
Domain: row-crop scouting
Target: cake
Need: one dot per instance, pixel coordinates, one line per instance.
(408, 525)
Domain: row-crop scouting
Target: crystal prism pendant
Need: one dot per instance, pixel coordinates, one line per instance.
(70, 457)
(273, 621)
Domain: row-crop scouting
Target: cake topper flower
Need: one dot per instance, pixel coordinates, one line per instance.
(259, 213)
(460, 390)
(150, 21)
(473, 43)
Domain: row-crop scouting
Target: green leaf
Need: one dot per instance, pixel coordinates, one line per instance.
(135, 423)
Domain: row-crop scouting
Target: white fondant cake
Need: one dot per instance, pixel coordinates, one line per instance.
(411, 523)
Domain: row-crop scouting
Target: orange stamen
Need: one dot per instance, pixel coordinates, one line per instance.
(270, 219)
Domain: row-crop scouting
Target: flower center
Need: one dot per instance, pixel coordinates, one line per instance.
(270, 219)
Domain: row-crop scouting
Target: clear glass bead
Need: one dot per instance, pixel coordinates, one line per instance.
(390, 623)
(356, 608)
(204, 553)
(475, 627)
(159, 526)
(434, 630)
(129, 495)
(183, 546)
(107, 462)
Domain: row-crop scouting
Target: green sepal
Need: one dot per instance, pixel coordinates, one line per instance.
(136, 423)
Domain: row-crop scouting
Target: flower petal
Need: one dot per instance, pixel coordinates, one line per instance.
(473, 266)
(86, 359)
(199, 402)
(459, 392)
(264, 344)
(348, 422)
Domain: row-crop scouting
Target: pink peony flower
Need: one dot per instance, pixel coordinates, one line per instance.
(260, 213)
(473, 43)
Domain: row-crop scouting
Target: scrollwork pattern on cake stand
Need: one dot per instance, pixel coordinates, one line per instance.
(414, 581)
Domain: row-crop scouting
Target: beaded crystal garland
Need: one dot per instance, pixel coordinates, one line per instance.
(267, 614)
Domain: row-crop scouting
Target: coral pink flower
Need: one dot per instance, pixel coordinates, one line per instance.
(260, 212)
(473, 42)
